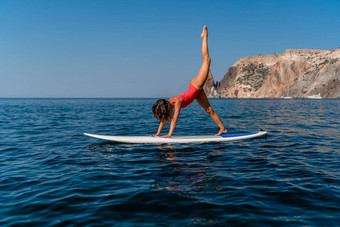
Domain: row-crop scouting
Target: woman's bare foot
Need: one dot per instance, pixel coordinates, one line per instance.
(224, 130)
(204, 32)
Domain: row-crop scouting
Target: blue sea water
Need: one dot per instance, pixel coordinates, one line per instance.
(53, 175)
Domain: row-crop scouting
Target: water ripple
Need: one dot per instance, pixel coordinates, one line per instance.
(52, 175)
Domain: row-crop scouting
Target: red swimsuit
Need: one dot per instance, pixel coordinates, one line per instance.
(189, 96)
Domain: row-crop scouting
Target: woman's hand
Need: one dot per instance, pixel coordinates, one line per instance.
(175, 118)
(160, 128)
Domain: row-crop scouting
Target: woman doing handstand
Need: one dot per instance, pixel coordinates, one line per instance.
(163, 110)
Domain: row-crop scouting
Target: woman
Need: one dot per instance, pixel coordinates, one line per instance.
(163, 110)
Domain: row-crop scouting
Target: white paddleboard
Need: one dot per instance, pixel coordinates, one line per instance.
(179, 139)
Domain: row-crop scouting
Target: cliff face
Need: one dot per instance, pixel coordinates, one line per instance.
(296, 73)
(210, 88)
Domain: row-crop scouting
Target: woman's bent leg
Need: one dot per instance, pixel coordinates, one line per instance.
(202, 75)
(203, 101)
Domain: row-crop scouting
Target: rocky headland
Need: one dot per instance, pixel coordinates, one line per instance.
(296, 73)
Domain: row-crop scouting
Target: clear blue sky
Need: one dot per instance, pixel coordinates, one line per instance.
(56, 48)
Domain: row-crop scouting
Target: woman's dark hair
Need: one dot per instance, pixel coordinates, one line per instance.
(162, 110)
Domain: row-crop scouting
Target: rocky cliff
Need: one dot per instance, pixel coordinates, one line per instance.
(210, 88)
(296, 73)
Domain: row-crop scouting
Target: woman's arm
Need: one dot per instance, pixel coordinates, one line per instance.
(160, 128)
(175, 118)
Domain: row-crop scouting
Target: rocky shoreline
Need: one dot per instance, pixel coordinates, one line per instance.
(296, 73)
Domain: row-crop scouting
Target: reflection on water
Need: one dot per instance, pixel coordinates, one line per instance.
(189, 175)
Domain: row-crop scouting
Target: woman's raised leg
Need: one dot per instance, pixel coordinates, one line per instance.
(203, 101)
(202, 75)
